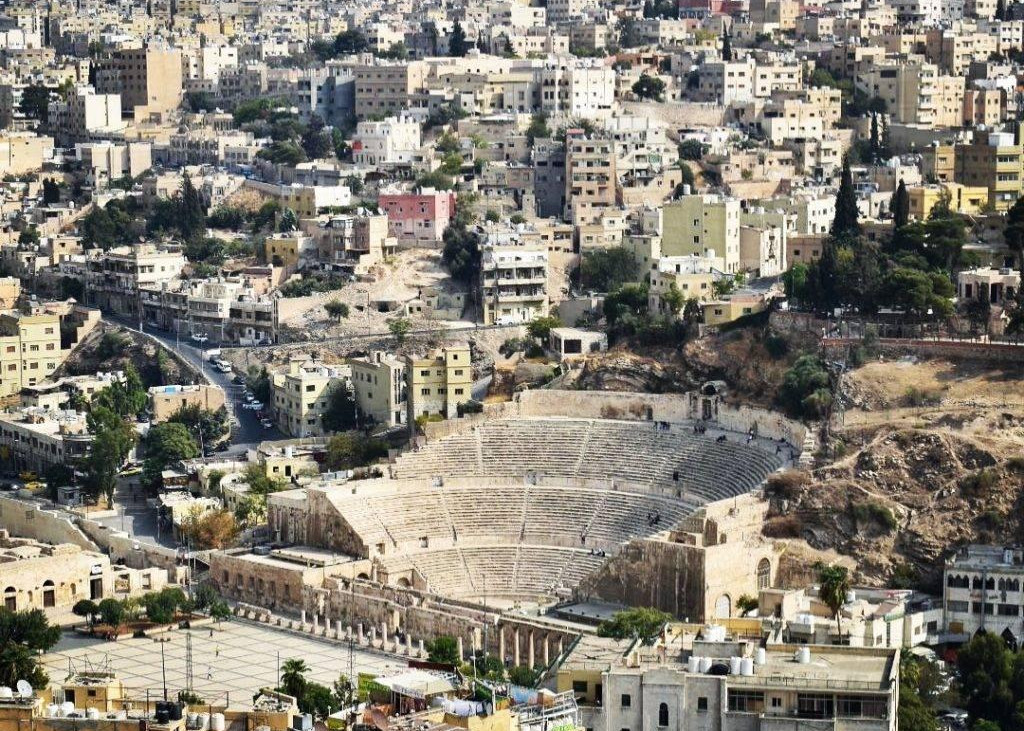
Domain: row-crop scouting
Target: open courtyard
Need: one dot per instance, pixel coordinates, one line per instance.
(232, 663)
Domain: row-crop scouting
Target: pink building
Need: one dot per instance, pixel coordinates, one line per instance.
(418, 219)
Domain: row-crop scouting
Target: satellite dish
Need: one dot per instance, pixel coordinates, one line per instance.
(25, 689)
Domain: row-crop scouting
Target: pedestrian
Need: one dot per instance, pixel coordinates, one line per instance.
(216, 652)
(209, 673)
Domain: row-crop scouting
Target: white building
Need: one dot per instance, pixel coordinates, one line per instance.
(982, 590)
(389, 142)
(513, 284)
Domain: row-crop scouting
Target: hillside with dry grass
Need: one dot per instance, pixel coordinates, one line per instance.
(926, 456)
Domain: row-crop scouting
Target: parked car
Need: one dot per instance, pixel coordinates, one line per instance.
(238, 380)
(267, 424)
(199, 338)
(223, 366)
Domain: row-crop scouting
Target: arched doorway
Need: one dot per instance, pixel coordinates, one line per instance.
(1009, 639)
(11, 599)
(49, 594)
(404, 583)
(764, 574)
(723, 607)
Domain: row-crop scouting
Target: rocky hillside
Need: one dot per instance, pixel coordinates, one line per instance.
(111, 348)
(932, 457)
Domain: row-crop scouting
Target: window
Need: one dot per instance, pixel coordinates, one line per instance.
(458, 371)
(579, 686)
(311, 387)
(702, 703)
(663, 714)
(424, 392)
(746, 701)
(860, 707)
(776, 702)
(626, 701)
(814, 705)
(459, 391)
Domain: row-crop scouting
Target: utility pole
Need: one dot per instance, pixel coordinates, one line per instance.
(163, 668)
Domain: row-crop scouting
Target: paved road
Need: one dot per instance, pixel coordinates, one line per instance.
(245, 427)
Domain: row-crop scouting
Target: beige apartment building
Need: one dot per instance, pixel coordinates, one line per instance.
(114, 277)
(916, 93)
(149, 80)
(378, 384)
(30, 349)
(590, 177)
(996, 162)
(703, 225)
(36, 438)
(439, 381)
(387, 88)
(23, 152)
(513, 284)
(166, 401)
(301, 396)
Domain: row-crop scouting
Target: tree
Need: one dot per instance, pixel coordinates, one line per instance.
(29, 237)
(524, 676)
(538, 128)
(629, 300)
(692, 150)
(126, 397)
(900, 206)
(165, 444)
(643, 623)
(87, 609)
(293, 676)
(336, 309)
(219, 611)
(461, 252)
(24, 635)
(834, 585)
(1000, 13)
(604, 270)
(351, 449)
(846, 218)
(112, 612)
(540, 328)
(444, 650)
(317, 700)
(344, 693)
(112, 442)
(191, 211)
(289, 221)
(987, 672)
(649, 87)
(673, 298)
(457, 43)
(435, 179)
(213, 529)
(875, 146)
(340, 414)
(1013, 233)
(914, 714)
(51, 192)
(806, 387)
(726, 45)
(35, 102)
(400, 328)
(208, 425)
(349, 42)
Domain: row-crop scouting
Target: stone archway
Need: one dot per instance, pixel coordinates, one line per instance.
(723, 607)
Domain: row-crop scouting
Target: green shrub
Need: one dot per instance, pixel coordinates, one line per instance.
(978, 483)
(872, 512)
(921, 397)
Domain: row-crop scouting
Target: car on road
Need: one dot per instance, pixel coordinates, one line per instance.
(223, 366)
(238, 380)
(28, 476)
(267, 424)
(254, 405)
(199, 338)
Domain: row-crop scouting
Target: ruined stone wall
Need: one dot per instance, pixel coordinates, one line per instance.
(29, 520)
(951, 349)
(652, 573)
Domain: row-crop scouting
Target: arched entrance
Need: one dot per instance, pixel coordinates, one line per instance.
(723, 607)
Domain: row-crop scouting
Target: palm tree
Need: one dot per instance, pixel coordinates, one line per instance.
(835, 584)
(293, 680)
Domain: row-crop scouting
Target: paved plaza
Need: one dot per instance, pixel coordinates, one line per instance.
(233, 664)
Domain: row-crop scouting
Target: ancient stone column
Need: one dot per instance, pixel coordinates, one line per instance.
(529, 650)
(547, 652)
(408, 644)
(303, 618)
(501, 644)
(462, 650)
(515, 647)
(359, 630)
(422, 652)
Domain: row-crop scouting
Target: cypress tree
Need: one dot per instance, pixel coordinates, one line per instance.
(900, 206)
(191, 211)
(726, 45)
(457, 45)
(845, 223)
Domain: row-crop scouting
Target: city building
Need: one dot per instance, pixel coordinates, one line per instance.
(302, 394)
(378, 384)
(513, 284)
(418, 218)
(982, 591)
(166, 401)
(438, 382)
